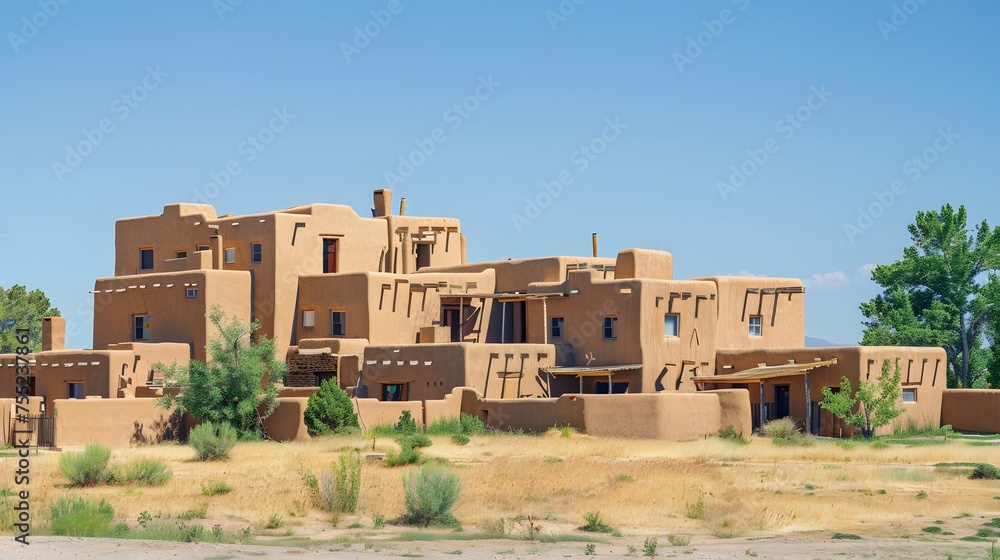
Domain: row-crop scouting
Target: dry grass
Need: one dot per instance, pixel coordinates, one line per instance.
(639, 487)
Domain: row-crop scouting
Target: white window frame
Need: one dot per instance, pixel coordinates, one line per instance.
(308, 318)
(229, 255)
(758, 329)
(191, 293)
(912, 391)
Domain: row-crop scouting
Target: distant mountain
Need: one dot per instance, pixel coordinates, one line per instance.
(813, 342)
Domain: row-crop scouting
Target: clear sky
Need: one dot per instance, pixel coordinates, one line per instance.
(740, 135)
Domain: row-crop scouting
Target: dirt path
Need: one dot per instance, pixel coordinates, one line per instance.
(47, 548)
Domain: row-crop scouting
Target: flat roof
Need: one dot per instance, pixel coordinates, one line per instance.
(760, 373)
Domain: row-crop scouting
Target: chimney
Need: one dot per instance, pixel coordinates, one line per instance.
(53, 334)
(594, 239)
(383, 203)
(402, 206)
(217, 252)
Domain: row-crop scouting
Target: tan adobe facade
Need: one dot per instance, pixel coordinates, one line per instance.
(390, 307)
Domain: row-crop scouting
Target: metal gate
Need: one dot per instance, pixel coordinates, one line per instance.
(41, 430)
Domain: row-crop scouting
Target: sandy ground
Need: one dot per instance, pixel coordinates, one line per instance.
(45, 548)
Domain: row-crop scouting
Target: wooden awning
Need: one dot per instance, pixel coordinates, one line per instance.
(760, 373)
(504, 296)
(590, 371)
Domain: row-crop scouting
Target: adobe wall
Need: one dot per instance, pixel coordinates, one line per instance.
(450, 406)
(441, 235)
(971, 410)
(287, 422)
(663, 416)
(113, 422)
(174, 317)
(433, 370)
(782, 314)
(373, 412)
(517, 275)
(8, 413)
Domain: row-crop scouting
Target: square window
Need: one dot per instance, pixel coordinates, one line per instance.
(256, 253)
(191, 293)
(230, 254)
(557, 327)
(671, 325)
(182, 254)
(140, 327)
(146, 259)
(755, 325)
(909, 395)
(610, 328)
(338, 326)
(308, 318)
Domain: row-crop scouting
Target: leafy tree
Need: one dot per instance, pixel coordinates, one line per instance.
(944, 292)
(236, 386)
(20, 308)
(880, 403)
(329, 410)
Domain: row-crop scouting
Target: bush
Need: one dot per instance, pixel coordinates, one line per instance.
(729, 434)
(406, 424)
(678, 540)
(216, 489)
(341, 485)
(330, 410)
(416, 440)
(144, 472)
(80, 517)
(649, 547)
(406, 456)
(212, 441)
(784, 431)
(89, 468)
(595, 524)
(460, 439)
(430, 493)
(471, 425)
(464, 424)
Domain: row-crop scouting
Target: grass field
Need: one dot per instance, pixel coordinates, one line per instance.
(542, 486)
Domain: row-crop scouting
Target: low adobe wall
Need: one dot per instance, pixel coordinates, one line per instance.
(373, 412)
(113, 422)
(287, 422)
(664, 416)
(8, 412)
(971, 410)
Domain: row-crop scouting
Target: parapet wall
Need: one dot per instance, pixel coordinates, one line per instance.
(114, 422)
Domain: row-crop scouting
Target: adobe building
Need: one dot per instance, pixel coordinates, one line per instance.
(390, 308)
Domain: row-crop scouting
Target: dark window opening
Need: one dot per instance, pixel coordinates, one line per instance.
(145, 259)
(617, 387)
(423, 255)
(393, 391)
(75, 390)
(329, 256)
(256, 253)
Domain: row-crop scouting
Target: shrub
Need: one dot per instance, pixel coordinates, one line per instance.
(649, 547)
(676, 540)
(89, 468)
(406, 456)
(378, 521)
(80, 517)
(590, 550)
(216, 489)
(211, 441)
(784, 431)
(471, 425)
(595, 524)
(330, 410)
(985, 471)
(696, 509)
(460, 439)
(729, 434)
(144, 472)
(341, 484)
(430, 493)
(406, 424)
(415, 440)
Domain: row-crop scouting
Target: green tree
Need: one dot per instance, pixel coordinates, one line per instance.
(880, 403)
(329, 410)
(21, 309)
(236, 386)
(944, 292)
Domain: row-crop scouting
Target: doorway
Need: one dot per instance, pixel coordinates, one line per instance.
(330, 256)
(423, 255)
(781, 394)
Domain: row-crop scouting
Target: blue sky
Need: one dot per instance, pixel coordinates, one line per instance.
(744, 135)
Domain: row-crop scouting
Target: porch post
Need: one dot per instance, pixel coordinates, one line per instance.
(580, 377)
(809, 408)
(763, 417)
(609, 382)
